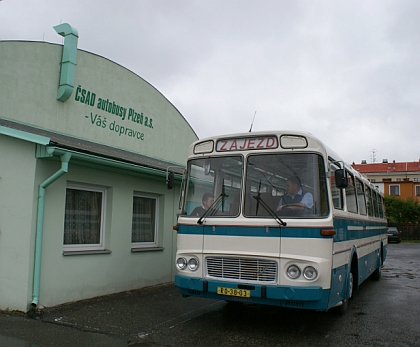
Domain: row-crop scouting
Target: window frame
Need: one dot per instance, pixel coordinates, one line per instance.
(361, 197)
(396, 186)
(146, 244)
(376, 212)
(336, 193)
(90, 246)
(351, 196)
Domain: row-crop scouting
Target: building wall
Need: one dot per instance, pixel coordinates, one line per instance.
(407, 189)
(29, 75)
(72, 277)
(17, 221)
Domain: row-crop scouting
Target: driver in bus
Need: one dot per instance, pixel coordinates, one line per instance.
(295, 198)
(207, 200)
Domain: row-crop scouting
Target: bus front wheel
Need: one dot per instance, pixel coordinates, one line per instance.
(345, 303)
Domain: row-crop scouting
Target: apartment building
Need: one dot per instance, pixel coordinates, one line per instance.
(399, 179)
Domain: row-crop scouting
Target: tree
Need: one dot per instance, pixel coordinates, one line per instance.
(402, 211)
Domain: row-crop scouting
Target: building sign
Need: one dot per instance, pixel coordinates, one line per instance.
(86, 97)
(108, 104)
(247, 143)
(130, 116)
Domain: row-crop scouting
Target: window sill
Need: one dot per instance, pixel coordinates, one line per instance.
(101, 251)
(146, 249)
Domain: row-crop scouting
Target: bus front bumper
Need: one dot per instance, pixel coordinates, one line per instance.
(311, 297)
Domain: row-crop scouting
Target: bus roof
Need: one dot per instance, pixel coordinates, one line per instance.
(312, 141)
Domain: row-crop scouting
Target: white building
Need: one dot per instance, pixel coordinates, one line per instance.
(85, 147)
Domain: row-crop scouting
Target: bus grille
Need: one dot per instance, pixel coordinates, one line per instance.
(258, 270)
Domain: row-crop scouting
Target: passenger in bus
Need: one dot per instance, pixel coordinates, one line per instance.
(296, 201)
(207, 200)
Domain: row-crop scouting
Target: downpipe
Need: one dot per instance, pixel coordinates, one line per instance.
(65, 159)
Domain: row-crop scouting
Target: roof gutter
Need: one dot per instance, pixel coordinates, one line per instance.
(65, 159)
(95, 161)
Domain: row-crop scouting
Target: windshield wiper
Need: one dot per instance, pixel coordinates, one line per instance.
(212, 210)
(269, 210)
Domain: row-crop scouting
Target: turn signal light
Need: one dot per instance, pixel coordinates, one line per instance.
(328, 232)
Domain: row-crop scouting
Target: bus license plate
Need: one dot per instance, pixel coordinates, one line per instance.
(242, 293)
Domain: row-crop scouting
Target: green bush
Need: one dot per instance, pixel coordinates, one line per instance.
(402, 211)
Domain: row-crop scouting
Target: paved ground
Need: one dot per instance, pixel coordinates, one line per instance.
(114, 320)
(134, 315)
(383, 313)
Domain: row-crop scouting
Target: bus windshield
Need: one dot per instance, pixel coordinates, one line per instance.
(289, 185)
(215, 183)
(292, 185)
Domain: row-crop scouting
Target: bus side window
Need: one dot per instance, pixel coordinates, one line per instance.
(351, 194)
(375, 204)
(337, 194)
(369, 202)
(361, 200)
(381, 207)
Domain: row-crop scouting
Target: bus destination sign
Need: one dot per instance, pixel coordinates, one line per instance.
(246, 143)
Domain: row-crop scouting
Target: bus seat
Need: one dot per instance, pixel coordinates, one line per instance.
(271, 201)
(234, 206)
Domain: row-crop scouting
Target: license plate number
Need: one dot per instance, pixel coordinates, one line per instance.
(242, 293)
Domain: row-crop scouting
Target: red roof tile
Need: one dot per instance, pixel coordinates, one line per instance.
(388, 167)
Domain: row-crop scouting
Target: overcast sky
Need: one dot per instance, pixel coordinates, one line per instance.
(346, 71)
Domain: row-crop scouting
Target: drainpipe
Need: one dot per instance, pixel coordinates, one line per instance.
(65, 158)
(68, 60)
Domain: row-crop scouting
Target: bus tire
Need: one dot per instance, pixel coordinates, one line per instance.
(343, 308)
(377, 274)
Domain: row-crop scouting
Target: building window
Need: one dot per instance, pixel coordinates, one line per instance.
(84, 217)
(398, 179)
(415, 179)
(417, 188)
(394, 190)
(144, 222)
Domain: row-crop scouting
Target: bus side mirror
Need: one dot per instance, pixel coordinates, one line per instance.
(341, 180)
(170, 180)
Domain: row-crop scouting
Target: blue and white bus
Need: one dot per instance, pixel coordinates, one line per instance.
(276, 218)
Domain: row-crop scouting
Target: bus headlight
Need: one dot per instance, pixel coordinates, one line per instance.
(181, 263)
(293, 272)
(310, 273)
(193, 264)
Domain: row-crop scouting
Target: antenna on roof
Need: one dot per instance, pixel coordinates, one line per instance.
(250, 129)
(373, 156)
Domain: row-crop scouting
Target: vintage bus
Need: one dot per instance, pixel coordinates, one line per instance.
(276, 218)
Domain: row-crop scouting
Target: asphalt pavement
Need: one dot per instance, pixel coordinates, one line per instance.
(383, 313)
(128, 318)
